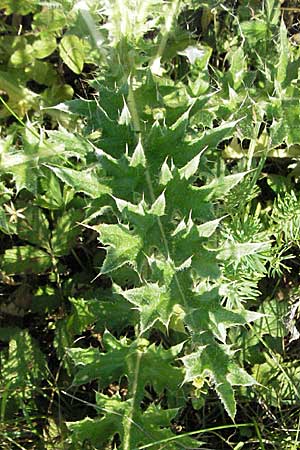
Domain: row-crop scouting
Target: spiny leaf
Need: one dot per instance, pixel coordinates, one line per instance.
(25, 176)
(165, 174)
(120, 360)
(215, 362)
(158, 207)
(86, 181)
(155, 303)
(221, 186)
(143, 428)
(213, 137)
(138, 156)
(210, 315)
(124, 246)
(251, 253)
(190, 168)
(111, 314)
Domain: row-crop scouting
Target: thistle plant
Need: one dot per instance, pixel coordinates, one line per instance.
(165, 228)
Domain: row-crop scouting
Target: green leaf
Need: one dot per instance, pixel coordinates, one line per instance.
(34, 228)
(50, 20)
(272, 321)
(124, 246)
(214, 361)
(45, 300)
(26, 177)
(221, 186)
(66, 231)
(22, 57)
(51, 196)
(43, 72)
(283, 54)
(138, 361)
(211, 138)
(238, 66)
(274, 325)
(57, 93)
(25, 260)
(44, 46)
(207, 229)
(190, 168)
(145, 428)
(210, 315)
(86, 181)
(21, 99)
(24, 8)
(110, 314)
(120, 360)
(255, 31)
(155, 303)
(24, 164)
(5, 226)
(72, 52)
(236, 251)
(138, 156)
(159, 206)
(282, 380)
(272, 11)
(284, 127)
(144, 218)
(188, 199)
(165, 174)
(24, 367)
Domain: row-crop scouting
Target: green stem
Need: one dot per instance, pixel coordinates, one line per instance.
(130, 421)
(193, 433)
(18, 118)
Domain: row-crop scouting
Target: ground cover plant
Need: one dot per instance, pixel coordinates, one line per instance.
(149, 225)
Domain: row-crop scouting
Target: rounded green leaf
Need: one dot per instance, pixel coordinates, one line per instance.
(44, 47)
(22, 57)
(71, 50)
(50, 19)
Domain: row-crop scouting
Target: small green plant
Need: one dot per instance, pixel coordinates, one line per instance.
(33, 50)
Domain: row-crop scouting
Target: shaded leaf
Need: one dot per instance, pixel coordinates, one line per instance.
(25, 260)
(66, 231)
(24, 367)
(34, 228)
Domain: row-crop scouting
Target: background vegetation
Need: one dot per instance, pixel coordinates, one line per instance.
(149, 224)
